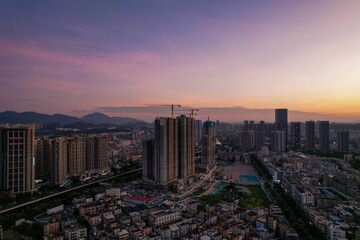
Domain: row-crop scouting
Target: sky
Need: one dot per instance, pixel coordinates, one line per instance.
(230, 58)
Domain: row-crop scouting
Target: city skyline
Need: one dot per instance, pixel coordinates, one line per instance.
(77, 58)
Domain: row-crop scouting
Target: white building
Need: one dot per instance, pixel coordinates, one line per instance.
(336, 233)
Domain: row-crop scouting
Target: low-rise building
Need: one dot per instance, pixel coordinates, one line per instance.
(163, 217)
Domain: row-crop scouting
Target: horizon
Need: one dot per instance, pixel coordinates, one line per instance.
(86, 56)
(154, 112)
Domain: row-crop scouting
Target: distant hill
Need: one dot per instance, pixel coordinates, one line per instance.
(99, 118)
(93, 119)
(80, 125)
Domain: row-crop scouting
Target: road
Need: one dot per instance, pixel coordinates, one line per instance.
(67, 190)
(207, 176)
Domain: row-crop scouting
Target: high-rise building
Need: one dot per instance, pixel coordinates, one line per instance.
(166, 166)
(310, 135)
(247, 140)
(171, 155)
(42, 157)
(278, 142)
(262, 126)
(148, 160)
(324, 135)
(295, 135)
(17, 163)
(208, 144)
(186, 146)
(198, 130)
(268, 129)
(59, 153)
(58, 157)
(259, 138)
(281, 121)
(96, 152)
(252, 125)
(76, 156)
(343, 138)
(246, 125)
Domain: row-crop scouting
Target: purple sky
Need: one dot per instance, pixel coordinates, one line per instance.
(76, 57)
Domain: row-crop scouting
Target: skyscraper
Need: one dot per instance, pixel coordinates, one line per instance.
(324, 135)
(295, 135)
(42, 157)
(59, 153)
(281, 121)
(310, 135)
(278, 142)
(17, 163)
(198, 130)
(343, 138)
(148, 160)
(186, 146)
(96, 152)
(260, 138)
(247, 140)
(208, 144)
(166, 166)
(171, 155)
(76, 156)
(246, 125)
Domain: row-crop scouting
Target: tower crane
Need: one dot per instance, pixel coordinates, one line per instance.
(172, 107)
(191, 111)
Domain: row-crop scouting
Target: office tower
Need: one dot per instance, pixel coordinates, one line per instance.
(278, 142)
(324, 135)
(208, 144)
(186, 146)
(17, 163)
(295, 135)
(59, 153)
(42, 157)
(343, 138)
(281, 121)
(310, 135)
(247, 140)
(96, 152)
(198, 130)
(76, 156)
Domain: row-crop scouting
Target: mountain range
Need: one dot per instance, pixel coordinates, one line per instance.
(92, 118)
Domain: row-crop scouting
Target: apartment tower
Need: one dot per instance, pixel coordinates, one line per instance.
(278, 142)
(343, 138)
(281, 121)
(324, 135)
(208, 144)
(76, 156)
(295, 128)
(59, 153)
(17, 163)
(310, 135)
(171, 154)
